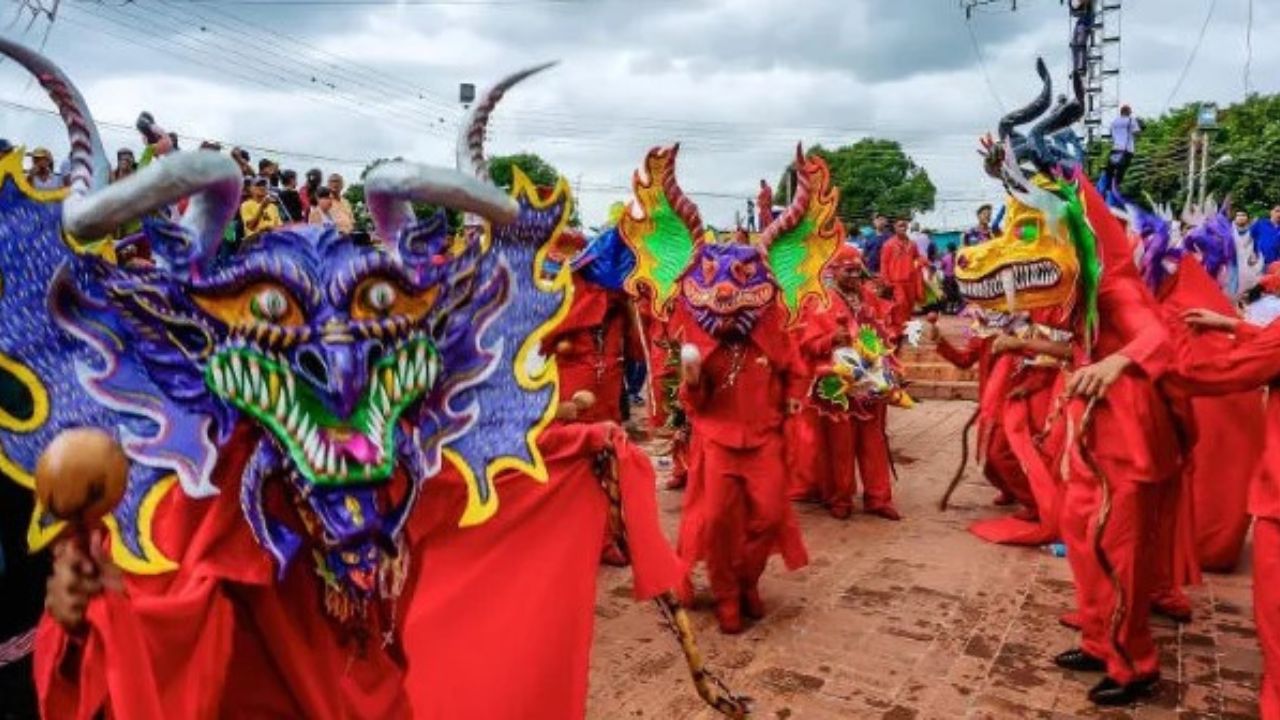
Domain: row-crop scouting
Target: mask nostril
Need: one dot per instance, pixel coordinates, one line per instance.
(313, 367)
(376, 352)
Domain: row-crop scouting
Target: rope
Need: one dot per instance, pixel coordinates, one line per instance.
(1100, 528)
(964, 460)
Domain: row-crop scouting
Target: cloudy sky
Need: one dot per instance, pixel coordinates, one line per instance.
(335, 84)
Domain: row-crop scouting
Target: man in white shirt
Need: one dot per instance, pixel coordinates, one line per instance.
(1124, 133)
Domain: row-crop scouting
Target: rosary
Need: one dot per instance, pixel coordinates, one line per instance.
(737, 353)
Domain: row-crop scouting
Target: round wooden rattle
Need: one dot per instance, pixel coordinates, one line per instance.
(80, 476)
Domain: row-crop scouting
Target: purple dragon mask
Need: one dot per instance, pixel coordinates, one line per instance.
(727, 287)
(350, 365)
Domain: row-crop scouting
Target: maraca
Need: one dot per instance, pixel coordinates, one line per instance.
(81, 475)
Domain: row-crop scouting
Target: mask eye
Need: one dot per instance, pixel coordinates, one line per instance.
(264, 302)
(377, 298)
(269, 305)
(1029, 232)
(350, 558)
(743, 272)
(380, 297)
(708, 271)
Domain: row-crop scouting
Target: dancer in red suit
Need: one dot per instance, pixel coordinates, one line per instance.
(853, 441)
(900, 265)
(1069, 251)
(740, 373)
(1020, 439)
(1251, 361)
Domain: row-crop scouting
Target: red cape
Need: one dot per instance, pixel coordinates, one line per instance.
(496, 620)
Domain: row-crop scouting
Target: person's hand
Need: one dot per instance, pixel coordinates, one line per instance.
(77, 577)
(931, 333)
(1209, 320)
(1093, 380)
(1007, 344)
(567, 411)
(690, 364)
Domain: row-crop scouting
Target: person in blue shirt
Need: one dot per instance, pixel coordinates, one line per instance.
(1266, 237)
(882, 234)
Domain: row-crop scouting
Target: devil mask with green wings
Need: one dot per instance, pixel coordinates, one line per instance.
(727, 286)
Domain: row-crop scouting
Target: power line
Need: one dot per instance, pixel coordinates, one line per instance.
(351, 70)
(172, 38)
(396, 3)
(1204, 27)
(1248, 45)
(982, 62)
(260, 149)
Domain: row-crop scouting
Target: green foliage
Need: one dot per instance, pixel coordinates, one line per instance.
(875, 176)
(541, 172)
(1249, 132)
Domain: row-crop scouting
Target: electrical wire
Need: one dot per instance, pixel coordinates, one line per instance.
(1195, 49)
(1248, 49)
(982, 63)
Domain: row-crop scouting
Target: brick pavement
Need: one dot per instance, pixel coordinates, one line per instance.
(914, 620)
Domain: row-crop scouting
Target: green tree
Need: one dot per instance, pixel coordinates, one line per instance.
(1249, 132)
(541, 172)
(874, 176)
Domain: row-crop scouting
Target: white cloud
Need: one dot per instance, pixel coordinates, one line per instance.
(737, 81)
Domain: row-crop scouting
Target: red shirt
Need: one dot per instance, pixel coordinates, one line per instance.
(741, 398)
(900, 265)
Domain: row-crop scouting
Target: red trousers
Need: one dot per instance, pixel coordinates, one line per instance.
(736, 514)
(842, 444)
(1114, 606)
(1266, 610)
(1230, 432)
(1003, 470)
(904, 303)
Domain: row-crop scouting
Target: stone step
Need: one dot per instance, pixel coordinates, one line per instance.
(929, 371)
(943, 390)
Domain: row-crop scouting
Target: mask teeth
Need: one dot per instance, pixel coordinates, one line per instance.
(270, 389)
(1010, 283)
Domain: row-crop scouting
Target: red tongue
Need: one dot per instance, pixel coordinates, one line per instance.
(356, 447)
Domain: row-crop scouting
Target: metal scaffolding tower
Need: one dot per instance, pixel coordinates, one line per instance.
(1102, 48)
(1102, 82)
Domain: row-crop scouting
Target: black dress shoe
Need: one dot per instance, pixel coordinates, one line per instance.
(1111, 693)
(1079, 661)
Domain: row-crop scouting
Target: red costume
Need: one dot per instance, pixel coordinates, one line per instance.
(848, 439)
(900, 266)
(1253, 360)
(1021, 451)
(591, 346)
(1134, 442)
(221, 638)
(1227, 427)
(736, 512)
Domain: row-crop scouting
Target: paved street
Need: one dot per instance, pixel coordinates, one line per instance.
(914, 620)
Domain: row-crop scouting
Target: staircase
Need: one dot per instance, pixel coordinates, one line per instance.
(931, 377)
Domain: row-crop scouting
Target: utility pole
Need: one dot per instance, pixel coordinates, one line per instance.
(1198, 165)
